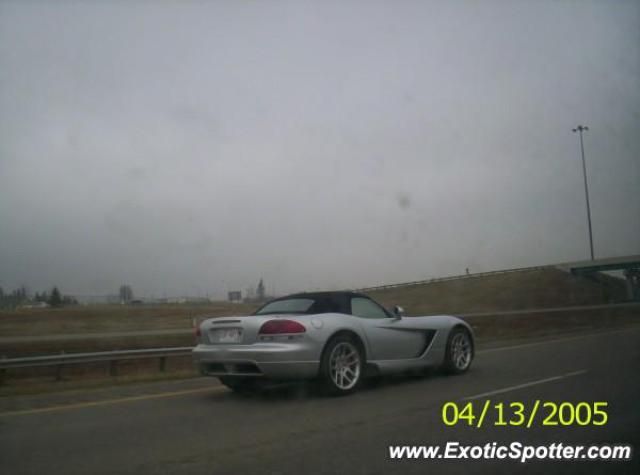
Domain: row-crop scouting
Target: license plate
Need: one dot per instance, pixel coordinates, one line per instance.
(226, 335)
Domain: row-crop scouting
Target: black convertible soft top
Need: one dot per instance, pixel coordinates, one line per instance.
(324, 302)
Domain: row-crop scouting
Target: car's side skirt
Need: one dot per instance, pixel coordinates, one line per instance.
(433, 355)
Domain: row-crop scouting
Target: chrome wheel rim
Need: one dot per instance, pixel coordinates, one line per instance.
(344, 365)
(461, 351)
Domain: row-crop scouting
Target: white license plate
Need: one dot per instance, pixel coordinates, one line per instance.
(226, 335)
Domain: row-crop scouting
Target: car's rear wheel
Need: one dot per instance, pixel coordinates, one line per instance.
(341, 367)
(239, 384)
(459, 351)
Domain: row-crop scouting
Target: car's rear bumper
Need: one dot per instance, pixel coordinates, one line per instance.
(270, 360)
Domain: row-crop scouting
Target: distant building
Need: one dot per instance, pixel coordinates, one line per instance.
(191, 300)
(36, 305)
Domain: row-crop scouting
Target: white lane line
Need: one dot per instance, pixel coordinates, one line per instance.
(526, 385)
(558, 340)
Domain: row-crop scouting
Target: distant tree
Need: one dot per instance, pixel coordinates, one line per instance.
(17, 297)
(260, 291)
(13, 299)
(55, 300)
(22, 293)
(126, 294)
(68, 300)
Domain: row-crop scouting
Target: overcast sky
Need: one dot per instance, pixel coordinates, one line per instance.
(194, 147)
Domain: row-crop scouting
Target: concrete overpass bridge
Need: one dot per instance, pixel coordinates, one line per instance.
(629, 265)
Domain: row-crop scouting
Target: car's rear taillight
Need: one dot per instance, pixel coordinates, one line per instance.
(273, 327)
(197, 333)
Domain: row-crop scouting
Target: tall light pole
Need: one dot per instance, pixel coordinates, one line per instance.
(581, 129)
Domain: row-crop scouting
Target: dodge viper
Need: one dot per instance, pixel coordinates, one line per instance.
(335, 337)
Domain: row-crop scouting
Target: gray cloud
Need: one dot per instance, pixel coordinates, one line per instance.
(192, 147)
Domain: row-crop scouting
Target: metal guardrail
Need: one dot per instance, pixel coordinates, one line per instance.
(453, 277)
(92, 336)
(112, 357)
(70, 358)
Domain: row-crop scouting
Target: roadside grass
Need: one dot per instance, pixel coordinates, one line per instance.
(543, 325)
(110, 318)
(90, 345)
(541, 288)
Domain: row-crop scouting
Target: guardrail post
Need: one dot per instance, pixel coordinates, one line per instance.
(3, 372)
(163, 364)
(59, 369)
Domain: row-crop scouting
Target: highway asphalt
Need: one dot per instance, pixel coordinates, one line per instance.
(198, 427)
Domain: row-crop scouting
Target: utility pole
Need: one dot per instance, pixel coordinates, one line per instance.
(581, 129)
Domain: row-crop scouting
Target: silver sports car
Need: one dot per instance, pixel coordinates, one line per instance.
(337, 337)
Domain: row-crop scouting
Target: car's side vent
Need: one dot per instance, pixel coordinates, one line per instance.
(429, 335)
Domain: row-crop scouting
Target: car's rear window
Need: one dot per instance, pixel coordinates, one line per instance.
(286, 306)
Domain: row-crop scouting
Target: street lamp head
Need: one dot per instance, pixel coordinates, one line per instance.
(580, 128)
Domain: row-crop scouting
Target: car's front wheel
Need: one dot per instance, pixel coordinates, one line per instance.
(459, 351)
(341, 367)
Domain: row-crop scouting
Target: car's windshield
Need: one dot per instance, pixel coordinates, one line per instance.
(286, 306)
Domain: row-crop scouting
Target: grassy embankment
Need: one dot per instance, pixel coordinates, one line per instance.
(545, 288)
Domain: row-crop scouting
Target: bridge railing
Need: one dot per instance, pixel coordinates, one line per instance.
(453, 277)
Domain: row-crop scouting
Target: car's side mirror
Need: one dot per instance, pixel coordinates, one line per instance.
(398, 312)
